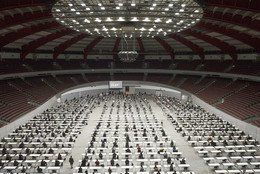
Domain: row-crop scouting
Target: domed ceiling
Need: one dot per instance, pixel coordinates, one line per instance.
(153, 26)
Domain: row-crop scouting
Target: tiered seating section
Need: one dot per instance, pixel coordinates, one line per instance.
(224, 148)
(18, 96)
(42, 144)
(240, 67)
(238, 98)
(128, 138)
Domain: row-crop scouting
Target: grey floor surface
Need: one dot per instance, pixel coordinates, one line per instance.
(196, 163)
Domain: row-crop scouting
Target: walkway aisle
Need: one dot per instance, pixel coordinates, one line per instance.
(81, 141)
(196, 163)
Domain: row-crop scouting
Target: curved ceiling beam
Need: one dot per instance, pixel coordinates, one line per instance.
(237, 19)
(141, 46)
(63, 46)
(116, 48)
(243, 37)
(89, 48)
(21, 33)
(247, 5)
(17, 19)
(11, 4)
(225, 47)
(194, 47)
(166, 46)
(33, 45)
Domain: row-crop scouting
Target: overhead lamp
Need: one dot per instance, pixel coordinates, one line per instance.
(98, 20)
(109, 19)
(86, 20)
(134, 19)
(158, 20)
(113, 29)
(146, 19)
(121, 19)
(64, 11)
(169, 21)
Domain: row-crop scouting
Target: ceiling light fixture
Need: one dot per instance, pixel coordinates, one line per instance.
(84, 16)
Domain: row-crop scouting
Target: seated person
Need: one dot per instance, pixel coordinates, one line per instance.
(16, 163)
(80, 170)
(23, 170)
(27, 151)
(39, 170)
(51, 151)
(20, 156)
(128, 150)
(127, 162)
(8, 157)
(161, 150)
(141, 169)
(57, 163)
(183, 161)
(43, 163)
(59, 157)
(169, 160)
(71, 139)
(138, 148)
(97, 162)
(83, 162)
(112, 162)
(109, 170)
(100, 155)
(171, 167)
(21, 145)
(155, 168)
(165, 155)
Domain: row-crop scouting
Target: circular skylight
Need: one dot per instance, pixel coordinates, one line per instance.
(131, 18)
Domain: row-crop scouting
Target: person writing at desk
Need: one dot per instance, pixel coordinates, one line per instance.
(39, 170)
(155, 168)
(138, 148)
(97, 162)
(43, 163)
